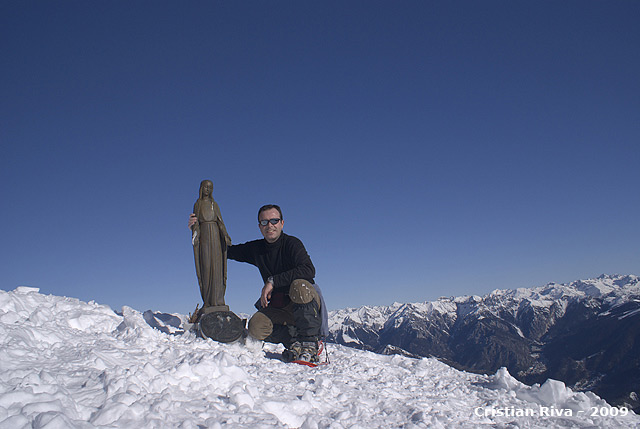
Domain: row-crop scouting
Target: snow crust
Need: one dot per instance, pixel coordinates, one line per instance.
(65, 363)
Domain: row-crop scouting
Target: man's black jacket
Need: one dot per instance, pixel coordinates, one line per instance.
(285, 260)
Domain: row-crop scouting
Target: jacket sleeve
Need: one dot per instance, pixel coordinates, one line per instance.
(302, 266)
(241, 253)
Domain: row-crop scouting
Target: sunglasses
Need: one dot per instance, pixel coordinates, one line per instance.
(273, 221)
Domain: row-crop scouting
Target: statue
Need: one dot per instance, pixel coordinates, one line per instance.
(210, 240)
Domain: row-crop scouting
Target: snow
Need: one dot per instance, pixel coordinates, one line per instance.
(440, 306)
(370, 316)
(65, 363)
(630, 313)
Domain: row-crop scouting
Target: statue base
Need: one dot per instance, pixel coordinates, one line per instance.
(221, 326)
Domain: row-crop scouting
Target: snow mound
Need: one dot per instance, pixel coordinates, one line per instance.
(70, 364)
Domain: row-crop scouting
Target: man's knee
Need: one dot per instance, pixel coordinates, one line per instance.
(260, 326)
(303, 292)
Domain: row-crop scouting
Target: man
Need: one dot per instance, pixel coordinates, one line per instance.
(289, 308)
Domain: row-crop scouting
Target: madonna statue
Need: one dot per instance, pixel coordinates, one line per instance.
(210, 240)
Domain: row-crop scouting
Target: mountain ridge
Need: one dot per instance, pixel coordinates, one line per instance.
(585, 333)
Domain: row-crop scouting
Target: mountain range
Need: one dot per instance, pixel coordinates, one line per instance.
(585, 333)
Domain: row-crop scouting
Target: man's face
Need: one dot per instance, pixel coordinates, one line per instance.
(270, 232)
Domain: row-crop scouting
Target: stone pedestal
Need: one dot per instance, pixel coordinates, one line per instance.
(221, 326)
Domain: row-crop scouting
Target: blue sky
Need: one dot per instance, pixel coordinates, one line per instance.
(418, 148)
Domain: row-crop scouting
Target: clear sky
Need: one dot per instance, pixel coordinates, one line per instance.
(417, 148)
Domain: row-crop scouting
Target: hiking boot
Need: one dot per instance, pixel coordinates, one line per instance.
(292, 352)
(309, 352)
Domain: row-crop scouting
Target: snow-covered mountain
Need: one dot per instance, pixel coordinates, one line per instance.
(71, 364)
(585, 333)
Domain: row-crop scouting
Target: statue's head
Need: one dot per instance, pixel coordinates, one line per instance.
(206, 188)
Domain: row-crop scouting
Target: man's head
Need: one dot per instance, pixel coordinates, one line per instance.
(270, 222)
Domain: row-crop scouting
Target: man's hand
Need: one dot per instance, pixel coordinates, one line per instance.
(265, 296)
(193, 219)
